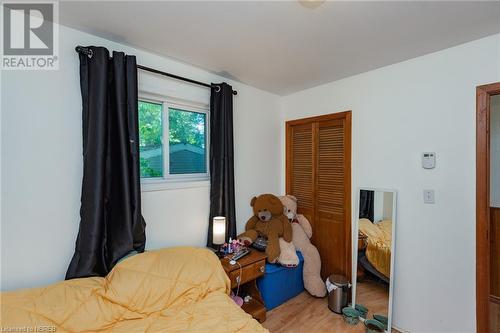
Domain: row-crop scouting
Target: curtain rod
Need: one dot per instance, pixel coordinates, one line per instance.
(88, 52)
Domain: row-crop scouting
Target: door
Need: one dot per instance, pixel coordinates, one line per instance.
(319, 175)
(488, 209)
(494, 232)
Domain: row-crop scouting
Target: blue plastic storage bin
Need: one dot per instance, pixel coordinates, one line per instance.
(279, 283)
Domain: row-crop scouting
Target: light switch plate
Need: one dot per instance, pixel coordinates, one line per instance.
(429, 196)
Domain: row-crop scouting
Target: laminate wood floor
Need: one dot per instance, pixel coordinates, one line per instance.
(307, 314)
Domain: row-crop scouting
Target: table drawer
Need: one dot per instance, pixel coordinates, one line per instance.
(248, 273)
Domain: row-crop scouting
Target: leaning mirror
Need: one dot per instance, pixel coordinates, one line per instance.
(374, 257)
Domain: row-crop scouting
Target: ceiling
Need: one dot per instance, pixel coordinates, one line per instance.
(285, 46)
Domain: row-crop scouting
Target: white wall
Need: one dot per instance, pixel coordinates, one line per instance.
(495, 151)
(399, 111)
(41, 165)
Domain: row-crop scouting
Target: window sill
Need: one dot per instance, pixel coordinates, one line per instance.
(166, 185)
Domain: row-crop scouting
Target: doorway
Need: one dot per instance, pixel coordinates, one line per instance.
(318, 173)
(488, 208)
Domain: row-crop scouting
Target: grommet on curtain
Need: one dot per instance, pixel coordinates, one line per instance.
(85, 50)
(217, 88)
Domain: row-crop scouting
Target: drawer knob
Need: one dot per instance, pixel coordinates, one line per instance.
(261, 269)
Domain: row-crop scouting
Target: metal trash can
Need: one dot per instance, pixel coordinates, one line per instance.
(337, 296)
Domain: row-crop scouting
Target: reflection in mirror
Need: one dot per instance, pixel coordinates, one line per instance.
(375, 249)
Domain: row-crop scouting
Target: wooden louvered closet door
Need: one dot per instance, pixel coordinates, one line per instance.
(302, 182)
(319, 174)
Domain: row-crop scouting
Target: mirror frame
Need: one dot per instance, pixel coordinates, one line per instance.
(354, 240)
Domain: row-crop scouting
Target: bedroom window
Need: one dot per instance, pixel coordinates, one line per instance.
(172, 141)
(187, 142)
(150, 139)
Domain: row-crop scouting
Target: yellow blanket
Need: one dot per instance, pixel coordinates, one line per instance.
(169, 290)
(378, 249)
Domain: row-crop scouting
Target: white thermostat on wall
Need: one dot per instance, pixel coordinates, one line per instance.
(428, 160)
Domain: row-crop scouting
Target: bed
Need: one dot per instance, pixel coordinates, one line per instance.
(377, 256)
(170, 290)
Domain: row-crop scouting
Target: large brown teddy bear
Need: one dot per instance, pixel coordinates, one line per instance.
(269, 222)
(302, 231)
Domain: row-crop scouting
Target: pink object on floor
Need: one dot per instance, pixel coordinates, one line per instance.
(237, 299)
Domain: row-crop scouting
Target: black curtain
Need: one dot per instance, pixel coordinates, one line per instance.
(366, 204)
(111, 224)
(221, 159)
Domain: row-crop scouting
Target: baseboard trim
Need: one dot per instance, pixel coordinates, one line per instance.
(399, 330)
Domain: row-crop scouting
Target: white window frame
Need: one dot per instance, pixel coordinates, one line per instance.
(169, 181)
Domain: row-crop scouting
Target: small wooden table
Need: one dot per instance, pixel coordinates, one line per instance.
(252, 265)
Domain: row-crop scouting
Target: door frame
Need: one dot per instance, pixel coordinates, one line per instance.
(483, 96)
(347, 117)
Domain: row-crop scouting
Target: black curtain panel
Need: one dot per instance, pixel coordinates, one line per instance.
(111, 224)
(221, 159)
(366, 204)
